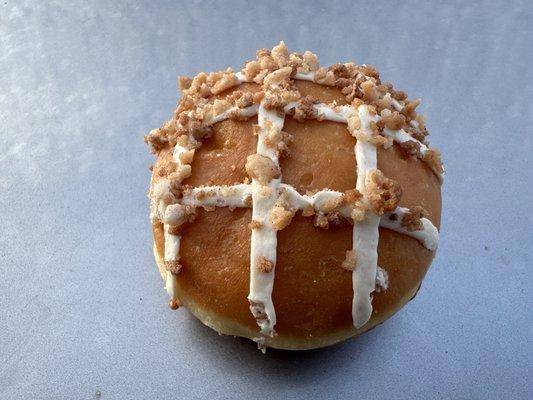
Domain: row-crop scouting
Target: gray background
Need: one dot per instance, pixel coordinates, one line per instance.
(82, 307)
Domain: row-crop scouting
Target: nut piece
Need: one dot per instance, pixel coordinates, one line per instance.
(280, 217)
(226, 81)
(410, 149)
(383, 193)
(432, 158)
(177, 214)
(261, 168)
(305, 109)
(280, 54)
(412, 221)
(349, 262)
(393, 119)
(187, 156)
(278, 76)
(173, 266)
(254, 224)
(264, 265)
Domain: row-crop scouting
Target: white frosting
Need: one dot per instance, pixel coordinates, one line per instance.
(326, 112)
(264, 240)
(172, 245)
(401, 136)
(366, 232)
(382, 280)
(218, 196)
(241, 77)
(245, 112)
(428, 236)
(305, 76)
(366, 277)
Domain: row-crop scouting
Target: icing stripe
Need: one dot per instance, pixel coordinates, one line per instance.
(172, 245)
(366, 232)
(264, 240)
(428, 236)
(305, 76)
(237, 195)
(245, 112)
(218, 196)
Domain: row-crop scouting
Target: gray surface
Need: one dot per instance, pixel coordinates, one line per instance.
(82, 305)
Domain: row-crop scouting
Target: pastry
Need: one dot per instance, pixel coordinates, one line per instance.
(293, 204)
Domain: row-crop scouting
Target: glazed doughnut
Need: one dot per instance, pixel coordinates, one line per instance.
(293, 204)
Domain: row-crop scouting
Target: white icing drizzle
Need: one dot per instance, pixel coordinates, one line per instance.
(172, 245)
(401, 136)
(366, 232)
(236, 196)
(326, 112)
(305, 76)
(428, 235)
(366, 277)
(218, 196)
(264, 240)
(382, 280)
(245, 112)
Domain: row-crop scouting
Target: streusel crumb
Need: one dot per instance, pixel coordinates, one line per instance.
(261, 168)
(264, 265)
(349, 262)
(383, 193)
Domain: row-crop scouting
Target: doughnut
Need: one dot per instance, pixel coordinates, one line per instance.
(293, 204)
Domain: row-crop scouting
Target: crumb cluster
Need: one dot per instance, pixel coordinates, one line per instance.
(264, 265)
(383, 193)
(173, 266)
(349, 262)
(335, 210)
(261, 168)
(176, 215)
(282, 213)
(412, 221)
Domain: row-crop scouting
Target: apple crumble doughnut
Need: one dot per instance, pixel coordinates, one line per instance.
(293, 204)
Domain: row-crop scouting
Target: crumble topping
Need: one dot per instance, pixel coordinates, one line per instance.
(383, 193)
(255, 224)
(177, 214)
(304, 109)
(392, 119)
(349, 262)
(412, 220)
(173, 266)
(410, 149)
(261, 168)
(264, 265)
(308, 211)
(432, 158)
(324, 221)
(282, 213)
(187, 157)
